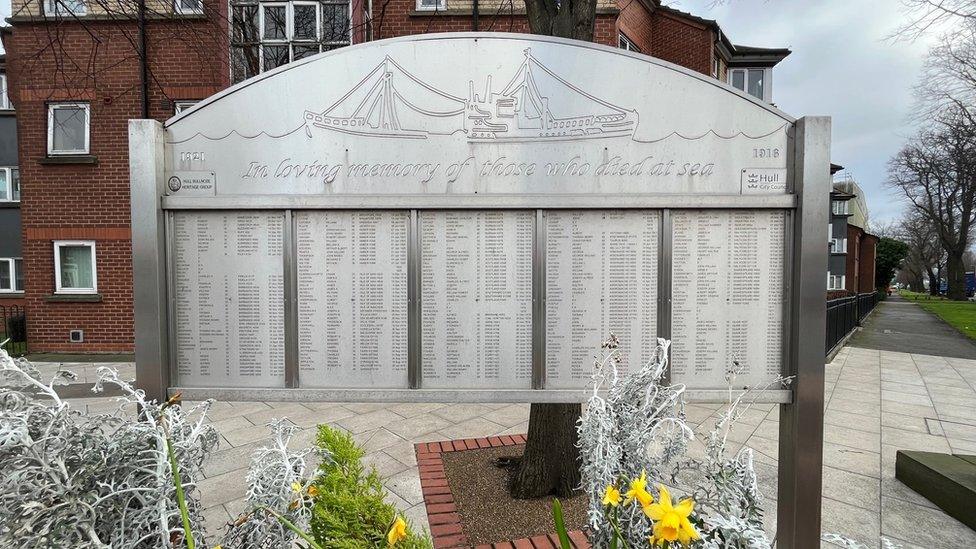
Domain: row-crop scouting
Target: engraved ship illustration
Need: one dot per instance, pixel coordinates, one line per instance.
(535, 105)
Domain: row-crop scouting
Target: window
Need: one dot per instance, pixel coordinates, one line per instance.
(431, 5)
(74, 267)
(11, 274)
(65, 7)
(188, 6)
(751, 81)
(67, 128)
(626, 43)
(838, 245)
(180, 106)
(4, 98)
(9, 185)
(840, 207)
(835, 282)
(271, 34)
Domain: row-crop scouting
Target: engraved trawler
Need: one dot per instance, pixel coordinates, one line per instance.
(536, 105)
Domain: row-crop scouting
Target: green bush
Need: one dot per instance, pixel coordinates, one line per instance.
(350, 511)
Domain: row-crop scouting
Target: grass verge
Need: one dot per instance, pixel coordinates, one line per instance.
(961, 315)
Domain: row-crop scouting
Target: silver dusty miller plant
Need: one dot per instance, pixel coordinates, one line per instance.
(105, 481)
(636, 425)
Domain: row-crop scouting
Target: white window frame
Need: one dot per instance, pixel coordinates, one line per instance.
(831, 278)
(348, 5)
(273, 41)
(181, 105)
(51, 107)
(767, 81)
(179, 9)
(843, 209)
(5, 103)
(53, 8)
(441, 5)
(625, 43)
(58, 244)
(12, 264)
(318, 23)
(10, 184)
(838, 245)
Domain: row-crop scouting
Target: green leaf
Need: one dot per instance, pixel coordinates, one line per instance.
(557, 518)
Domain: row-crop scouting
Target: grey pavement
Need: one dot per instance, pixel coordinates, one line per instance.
(876, 403)
(900, 325)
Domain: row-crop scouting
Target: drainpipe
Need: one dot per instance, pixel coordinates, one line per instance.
(143, 59)
(474, 16)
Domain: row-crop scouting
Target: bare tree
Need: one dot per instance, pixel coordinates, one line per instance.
(926, 16)
(936, 171)
(926, 258)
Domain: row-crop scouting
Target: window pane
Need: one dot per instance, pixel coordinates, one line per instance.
(275, 23)
(15, 183)
(245, 24)
(76, 267)
(191, 5)
(6, 277)
(739, 80)
(19, 275)
(304, 22)
(301, 52)
(245, 62)
(3, 186)
(756, 83)
(275, 56)
(335, 22)
(69, 128)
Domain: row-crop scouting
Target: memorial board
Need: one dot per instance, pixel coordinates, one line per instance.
(476, 295)
(601, 278)
(728, 296)
(229, 303)
(352, 298)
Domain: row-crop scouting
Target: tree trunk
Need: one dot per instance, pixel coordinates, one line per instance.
(550, 463)
(956, 276)
(933, 283)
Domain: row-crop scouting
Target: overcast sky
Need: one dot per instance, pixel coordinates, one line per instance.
(842, 66)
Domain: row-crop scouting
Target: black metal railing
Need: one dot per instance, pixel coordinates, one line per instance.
(13, 329)
(846, 313)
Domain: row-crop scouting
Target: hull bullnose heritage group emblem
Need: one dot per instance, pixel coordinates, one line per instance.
(391, 102)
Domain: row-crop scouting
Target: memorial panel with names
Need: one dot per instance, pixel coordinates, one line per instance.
(728, 296)
(601, 278)
(352, 298)
(229, 302)
(476, 295)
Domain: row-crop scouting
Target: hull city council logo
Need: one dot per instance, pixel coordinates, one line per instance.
(391, 102)
(174, 184)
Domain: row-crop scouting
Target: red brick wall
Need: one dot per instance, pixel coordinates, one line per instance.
(91, 202)
(682, 42)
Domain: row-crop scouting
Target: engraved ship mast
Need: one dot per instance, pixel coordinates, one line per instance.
(376, 107)
(521, 112)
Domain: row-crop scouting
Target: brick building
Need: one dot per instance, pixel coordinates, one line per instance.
(77, 76)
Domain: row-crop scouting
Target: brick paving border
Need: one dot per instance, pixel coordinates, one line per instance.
(442, 515)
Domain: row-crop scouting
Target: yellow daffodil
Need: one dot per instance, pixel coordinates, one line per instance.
(397, 532)
(297, 487)
(671, 521)
(312, 491)
(638, 491)
(612, 496)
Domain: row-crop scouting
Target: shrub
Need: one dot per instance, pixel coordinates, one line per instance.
(349, 510)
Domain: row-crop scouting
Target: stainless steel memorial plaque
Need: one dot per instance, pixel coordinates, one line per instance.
(352, 298)
(477, 298)
(728, 295)
(229, 315)
(601, 277)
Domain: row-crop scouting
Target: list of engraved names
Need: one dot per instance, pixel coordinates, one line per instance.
(229, 303)
(352, 298)
(476, 291)
(727, 309)
(601, 278)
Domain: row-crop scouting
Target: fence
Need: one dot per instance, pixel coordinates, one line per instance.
(13, 326)
(846, 313)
